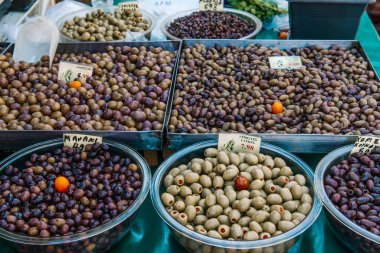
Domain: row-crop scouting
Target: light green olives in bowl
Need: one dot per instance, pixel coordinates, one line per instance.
(106, 25)
(219, 201)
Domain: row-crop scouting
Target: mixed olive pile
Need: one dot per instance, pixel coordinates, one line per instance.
(67, 191)
(229, 88)
(354, 188)
(127, 92)
(237, 196)
(100, 25)
(210, 25)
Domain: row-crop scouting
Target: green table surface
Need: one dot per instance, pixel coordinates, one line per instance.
(150, 234)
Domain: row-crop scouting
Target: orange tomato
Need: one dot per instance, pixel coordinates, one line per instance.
(277, 107)
(75, 84)
(61, 184)
(283, 35)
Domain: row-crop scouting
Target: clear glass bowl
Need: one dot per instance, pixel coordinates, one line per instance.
(353, 236)
(82, 13)
(195, 242)
(94, 240)
(242, 14)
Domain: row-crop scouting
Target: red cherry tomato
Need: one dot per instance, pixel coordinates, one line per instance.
(241, 183)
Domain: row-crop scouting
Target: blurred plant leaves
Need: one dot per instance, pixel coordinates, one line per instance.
(261, 8)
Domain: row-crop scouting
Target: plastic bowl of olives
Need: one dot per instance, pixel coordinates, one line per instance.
(105, 24)
(105, 186)
(348, 229)
(195, 24)
(212, 229)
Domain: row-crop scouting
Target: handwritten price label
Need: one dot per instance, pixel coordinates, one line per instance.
(248, 147)
(69, 71)
(285, 62)
(128, 6)
(80, 140)
(239, 143)
(365, 145)
(211, 5)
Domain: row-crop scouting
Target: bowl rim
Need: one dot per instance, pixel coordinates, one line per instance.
(166, 22)
(323, 166)
(160, 209)
(134, 155)
(147, 15)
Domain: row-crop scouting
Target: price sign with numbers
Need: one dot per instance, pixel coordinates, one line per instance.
(365, 144)
(285, 62)
(69, 71)
(211, 5)
(80, 140)
(239, 143)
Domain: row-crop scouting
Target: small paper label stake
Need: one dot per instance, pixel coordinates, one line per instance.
(80, 140)
(365, 144)
(239, 143)
(211, 5)
(69, 71)
(285, 62)
(129, 6)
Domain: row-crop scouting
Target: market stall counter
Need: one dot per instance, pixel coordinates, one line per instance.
(150, 234)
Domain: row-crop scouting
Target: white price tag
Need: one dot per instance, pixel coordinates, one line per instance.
(239, 143)
(365, 144)
(211, 5)
(285, 62)
(129, 6)
(80, 140)
(69, 71)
